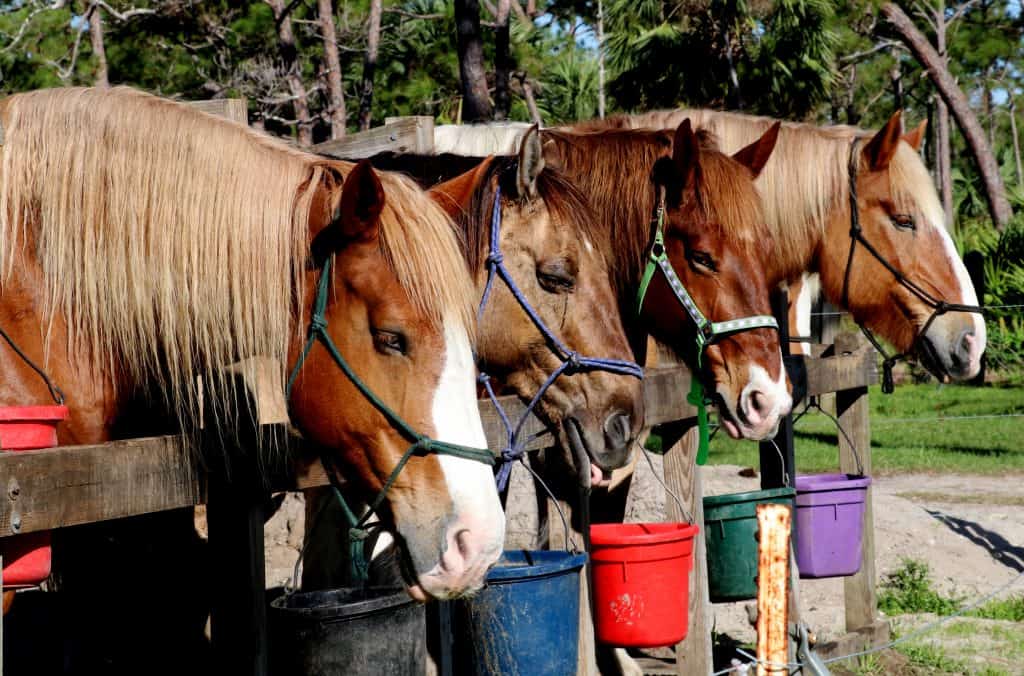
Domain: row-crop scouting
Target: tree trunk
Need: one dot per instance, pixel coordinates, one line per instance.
(99, 50)
(734, 79)
(502, 61)
(476, 104)
(999, 206)
(600, 59)
(293, 78)
(531, 101)
(370, 65)
(896, 75)
(944, 163)
(1016, 142)
(335, 91)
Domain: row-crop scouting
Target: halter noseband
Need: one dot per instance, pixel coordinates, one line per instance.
(571, 361)
(421, 444)
(707, 331)
(939, 307)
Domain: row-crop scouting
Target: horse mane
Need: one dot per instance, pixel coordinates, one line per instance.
(565, 202)
(174, 242)
(806, 177)
(614, 167)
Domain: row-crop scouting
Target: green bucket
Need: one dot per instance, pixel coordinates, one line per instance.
(730, 531)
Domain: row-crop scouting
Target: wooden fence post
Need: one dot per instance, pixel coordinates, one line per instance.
(854, 418)
(399, 135)
(682, 476)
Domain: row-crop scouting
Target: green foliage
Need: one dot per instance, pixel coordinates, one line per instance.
(909, 590)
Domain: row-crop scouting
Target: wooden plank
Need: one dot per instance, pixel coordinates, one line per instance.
(682, 477)
(859, 368)
(72, 485)
(402, 135)
(871, 636)
(773, 524)
(854, 417)
(236, 110)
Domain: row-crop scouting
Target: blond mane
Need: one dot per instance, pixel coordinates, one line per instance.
(805, 179)
(173, 242)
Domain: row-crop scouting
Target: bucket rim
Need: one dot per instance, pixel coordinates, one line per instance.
(17, 414)
(383, 598)
(748, 496)
(605, 533)
(836, 481)
(524, 564)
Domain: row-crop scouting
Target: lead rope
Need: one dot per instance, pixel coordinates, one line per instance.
(571, 361)
(55, 392)
(939, 307)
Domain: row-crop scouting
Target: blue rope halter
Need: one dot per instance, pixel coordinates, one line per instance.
(571, 361)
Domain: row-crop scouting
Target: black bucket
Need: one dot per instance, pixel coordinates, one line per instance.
(347, 632)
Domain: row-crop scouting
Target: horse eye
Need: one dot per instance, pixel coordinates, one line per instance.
(387, 342)
(904, 221)
(703, 259)
(556, 277)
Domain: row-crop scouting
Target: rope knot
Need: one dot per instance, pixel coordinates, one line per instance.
(941, 307)
(511, 454)
(317, 324)
(495, 258)
(425, 445)
(572, 361)
(358, 533)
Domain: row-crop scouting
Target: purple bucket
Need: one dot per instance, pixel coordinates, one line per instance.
(829, 523)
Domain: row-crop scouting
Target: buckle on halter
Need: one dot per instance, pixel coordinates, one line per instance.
(707, 331)
(658, 250)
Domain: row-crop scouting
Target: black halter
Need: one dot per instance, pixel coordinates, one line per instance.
(939, 307)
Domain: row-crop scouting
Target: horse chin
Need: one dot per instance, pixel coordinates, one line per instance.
(928, 357)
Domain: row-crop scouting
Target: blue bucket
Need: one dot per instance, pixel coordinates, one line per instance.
(525, 621)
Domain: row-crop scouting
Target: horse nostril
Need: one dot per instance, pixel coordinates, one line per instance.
(617, 430)
(758, 406)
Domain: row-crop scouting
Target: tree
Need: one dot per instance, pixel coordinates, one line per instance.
(370, 64)
(476, 104)
(289, 53)
(999, 207)
(335, 92)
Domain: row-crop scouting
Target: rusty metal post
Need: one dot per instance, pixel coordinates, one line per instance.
(773, 522)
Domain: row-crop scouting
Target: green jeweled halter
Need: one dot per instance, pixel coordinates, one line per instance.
(420, 443)
(707, 331)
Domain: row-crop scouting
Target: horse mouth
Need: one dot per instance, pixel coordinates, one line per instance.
(589, 473)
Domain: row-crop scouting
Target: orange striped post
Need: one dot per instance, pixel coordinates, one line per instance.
(773, 522)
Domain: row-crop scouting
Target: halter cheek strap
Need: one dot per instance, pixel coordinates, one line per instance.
(571, 361)
(939, 307)
(707, 331)
(420, 445)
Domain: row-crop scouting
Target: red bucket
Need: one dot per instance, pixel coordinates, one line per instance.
(27, 558)
(641, 574)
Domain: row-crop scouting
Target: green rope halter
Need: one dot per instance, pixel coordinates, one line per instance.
(707, 331)
(421, 444)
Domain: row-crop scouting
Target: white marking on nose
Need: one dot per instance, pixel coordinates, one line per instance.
(474, 497)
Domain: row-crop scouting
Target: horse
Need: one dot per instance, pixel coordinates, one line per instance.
(890, 260)
(715, 242)
(558, 260)
(144, 242)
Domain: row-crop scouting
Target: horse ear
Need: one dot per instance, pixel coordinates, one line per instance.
(756, 155)
(454, 195)
(531, 162)
(880, 149)
(685, 153)
(915, 137)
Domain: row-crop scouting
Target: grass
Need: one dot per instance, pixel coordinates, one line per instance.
(929, 442)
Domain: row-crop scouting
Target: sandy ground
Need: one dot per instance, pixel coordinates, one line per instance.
(970, 529)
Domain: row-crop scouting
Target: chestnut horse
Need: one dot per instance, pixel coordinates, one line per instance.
(901, 289)
(714, 239)
(143, 243)
(558, 259)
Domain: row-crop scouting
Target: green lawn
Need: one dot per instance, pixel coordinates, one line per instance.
(932, 440)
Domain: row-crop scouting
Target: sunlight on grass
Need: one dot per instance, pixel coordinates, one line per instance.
(911, 430)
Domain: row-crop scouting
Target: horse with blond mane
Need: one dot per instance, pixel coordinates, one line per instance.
(889, 259)
(143, 243)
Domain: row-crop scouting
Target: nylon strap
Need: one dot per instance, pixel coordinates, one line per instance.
(421, 444)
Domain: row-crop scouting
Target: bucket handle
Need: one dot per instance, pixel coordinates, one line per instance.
(569, 542)
(814, 403)
(668, 491)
